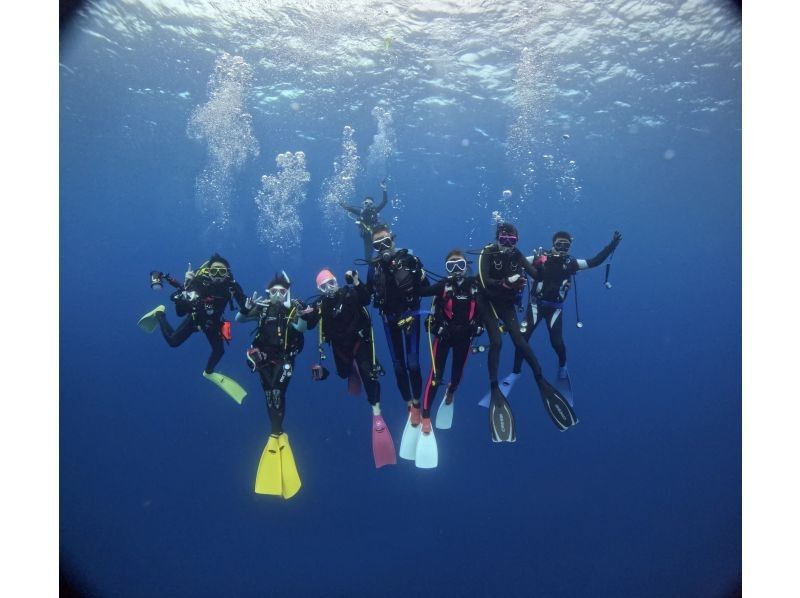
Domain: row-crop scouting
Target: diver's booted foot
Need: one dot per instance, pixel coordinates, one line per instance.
(564, 384)
(414, 415)
(149, 321)
(426, 425)
(449, 396)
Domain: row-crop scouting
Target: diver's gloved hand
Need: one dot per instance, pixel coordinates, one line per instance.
(351, 277)
(189, 295)
(515, 281)
(251, 302)
(383, 184)
(189, 276)
(616, 239)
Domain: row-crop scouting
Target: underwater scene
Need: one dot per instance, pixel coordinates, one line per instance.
(284, 225)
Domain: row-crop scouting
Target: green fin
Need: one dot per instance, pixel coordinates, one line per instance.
(229, 385)
(148, 321)
(268, 476)
(289, 475)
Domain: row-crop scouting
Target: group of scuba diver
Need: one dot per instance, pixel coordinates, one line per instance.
(464, 306)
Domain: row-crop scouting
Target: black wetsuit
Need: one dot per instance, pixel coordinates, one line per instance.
(272, 353)
(498, 302)
(547, 296)
(395, 285)
(367, 219)
(347, 327)
(453, 323)
(203, 314)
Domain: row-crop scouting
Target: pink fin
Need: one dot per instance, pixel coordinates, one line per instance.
(382, 443)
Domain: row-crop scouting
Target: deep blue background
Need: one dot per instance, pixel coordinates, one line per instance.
(643, 498)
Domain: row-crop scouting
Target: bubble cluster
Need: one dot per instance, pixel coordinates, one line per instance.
(227, 129)
(340, 187)
(278, 202)
(530, 94)
(383, 142)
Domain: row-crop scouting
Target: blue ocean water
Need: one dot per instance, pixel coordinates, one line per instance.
(596, 116)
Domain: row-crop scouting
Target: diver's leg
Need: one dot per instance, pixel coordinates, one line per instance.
(531, 320)
(506, 313)
(460, 354)
(214, 337)
(175, 338)
(440, 350)
(492, 326)
(372, 387)
(394, 336)
(411, 336)
(555, 327)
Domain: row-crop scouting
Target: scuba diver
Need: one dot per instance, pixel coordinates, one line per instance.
(546, 301)
(345, 324)
(201, 299)
(454, 321)
(501, 271)
(366, 217)
(394, 280)
(278, 340)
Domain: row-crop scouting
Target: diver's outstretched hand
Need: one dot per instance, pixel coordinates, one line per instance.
(351, 276)
(383, 184)
(616, 239)
(189, 276)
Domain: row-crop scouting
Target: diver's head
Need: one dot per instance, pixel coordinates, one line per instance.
(506, 235)
(456, 263)
(218, 269)
(383, 241)
(562, 241)
(326, 283)
(278, 289)
(369, 203)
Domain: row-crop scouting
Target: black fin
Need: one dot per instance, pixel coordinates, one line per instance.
(501, 419)
(557, 406)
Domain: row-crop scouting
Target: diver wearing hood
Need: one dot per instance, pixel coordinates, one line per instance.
(202, 299)
(278, 340)
(502, 270)
(366, 217)
(395, 279)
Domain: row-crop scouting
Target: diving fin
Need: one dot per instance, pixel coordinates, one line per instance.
(382, 443)
(290, 479)
(444, 414)
(558, 408)
(408, 442)
(236, 392)
(354, 381)
(506, 384)
(501, 420)
(564, 385)
(427, 455)
(268, 476)
(149, 322)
